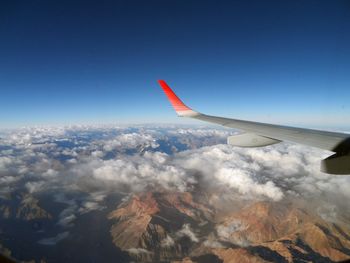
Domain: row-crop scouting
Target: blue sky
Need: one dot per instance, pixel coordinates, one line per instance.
(72, 62)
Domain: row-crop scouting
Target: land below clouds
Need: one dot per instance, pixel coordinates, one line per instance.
(59, 187)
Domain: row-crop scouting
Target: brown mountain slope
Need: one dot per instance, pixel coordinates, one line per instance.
(162, 226)
(287, 230)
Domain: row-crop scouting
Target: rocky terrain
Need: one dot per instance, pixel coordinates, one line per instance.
(20, 208)
(186, 227)
(24, 207)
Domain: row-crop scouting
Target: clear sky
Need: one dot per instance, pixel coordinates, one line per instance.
(67, 62)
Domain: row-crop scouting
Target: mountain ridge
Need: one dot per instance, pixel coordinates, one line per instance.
(186, 227)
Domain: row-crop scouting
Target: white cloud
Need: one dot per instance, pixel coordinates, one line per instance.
(187, 231)
(33, 187)
(244, 182)
(273, 172)
(5, 162)
(140, 172)
(50, 173)
(202, 132)
(98, 154)
(130, 141)
(68, 215)
(212, 243)
(168, 241)
(139, 251)
(66, 219)
(224, 231)
(89, 206)
(328, 212)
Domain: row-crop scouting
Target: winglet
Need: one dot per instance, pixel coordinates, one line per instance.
(180, 108)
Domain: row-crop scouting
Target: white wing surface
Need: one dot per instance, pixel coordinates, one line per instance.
(261, 134)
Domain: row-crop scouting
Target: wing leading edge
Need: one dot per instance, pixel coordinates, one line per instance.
(262, 134)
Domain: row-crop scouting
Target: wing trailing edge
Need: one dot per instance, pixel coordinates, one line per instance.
(250, 140)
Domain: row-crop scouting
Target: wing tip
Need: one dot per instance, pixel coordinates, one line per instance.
(165, 86)
(180, 107)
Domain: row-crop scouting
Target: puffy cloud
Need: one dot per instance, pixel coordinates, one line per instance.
(140, 172)
(97, 154)
(202, 132)
(29, 135)
(130, 141)
(77, 159)
(4, 180)
(11, 164)
(33, 187)
(92, 202)
(50, 173)
(5, 162)
(77, 205)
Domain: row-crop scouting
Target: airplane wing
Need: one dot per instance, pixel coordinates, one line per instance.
(262, 134)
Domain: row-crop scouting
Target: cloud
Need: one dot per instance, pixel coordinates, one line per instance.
(5, 162)
(51, 241)
(88, 207)
(139, 251)
(78, 159)
(67, 219)
(202, 132)
(328, 212)
(224, 231)
(50, 173)
(245, 184)
(213, 244)
(68, 215)
(140, 172)
(34, 186)
(168, 241)
(223, 166)
(130, 141)
(187, 231)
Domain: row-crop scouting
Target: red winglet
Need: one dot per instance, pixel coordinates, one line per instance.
(178, 105)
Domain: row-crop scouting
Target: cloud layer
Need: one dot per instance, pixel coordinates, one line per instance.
(100, 160)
